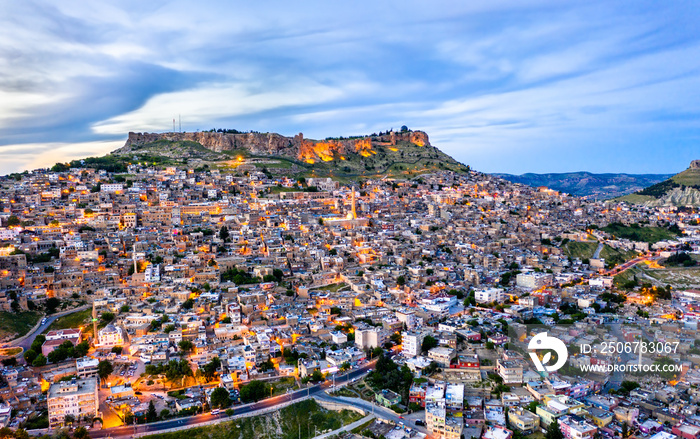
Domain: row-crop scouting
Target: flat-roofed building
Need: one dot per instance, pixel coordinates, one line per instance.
(575, 427)
(86, 367)
(523, 420)
(454, 397)
(442, 356)
(77, 398)
(510, 370)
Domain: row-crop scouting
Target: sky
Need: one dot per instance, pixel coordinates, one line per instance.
(504, 86)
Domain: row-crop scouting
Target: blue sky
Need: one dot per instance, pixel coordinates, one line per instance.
(504, 86)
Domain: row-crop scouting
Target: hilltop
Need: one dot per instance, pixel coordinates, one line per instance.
(682, 189)
(400, 154)
(587, 184)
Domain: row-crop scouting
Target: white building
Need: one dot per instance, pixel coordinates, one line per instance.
(110, 335)
(86, 367)
(77, 398)
(112, 187)
(411, 343)
(408, 317)
(339, 337)
(488, 295)
(533, 280)
(152, 273)
(368, 338)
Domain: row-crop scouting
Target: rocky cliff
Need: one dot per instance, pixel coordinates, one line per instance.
(682, 189)
(297, 147)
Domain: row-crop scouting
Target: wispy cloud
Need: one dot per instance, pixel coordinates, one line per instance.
(502, 85)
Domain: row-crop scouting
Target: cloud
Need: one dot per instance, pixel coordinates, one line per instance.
(502, 85)
(23, 156)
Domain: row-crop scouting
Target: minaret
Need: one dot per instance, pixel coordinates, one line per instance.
(133, 256)
(354, 213)
(94, 325)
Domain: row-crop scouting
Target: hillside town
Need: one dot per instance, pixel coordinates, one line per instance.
(165, 292)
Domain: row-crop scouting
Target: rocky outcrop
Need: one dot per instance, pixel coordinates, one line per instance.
(275, 144)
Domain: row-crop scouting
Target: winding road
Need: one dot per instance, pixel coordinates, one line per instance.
(192, 421)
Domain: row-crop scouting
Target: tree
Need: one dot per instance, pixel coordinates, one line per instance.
(317, 376)
(401, 281)
(30, 356)
(107, 317)
(429, 342)
(255, 391)
(117, 350)
(188, 304)
(81, 349)
(209, 369)
(185, 345)
(39, 361)
(220, 398)
(151, 414)
(81, 433)
(553, 431)
(104, 369)
(223, 233)
(13, 221)
(51, 304)
(267, 365)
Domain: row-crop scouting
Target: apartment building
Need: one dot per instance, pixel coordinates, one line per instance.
(575, 427)
(77, 398)
(411, 343)
(523, 420)
(510, 370)
(86, 367)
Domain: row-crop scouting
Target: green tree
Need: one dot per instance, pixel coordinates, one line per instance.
(13, 221)
(81, 349)
(209, 369)
(429, 342)
(317, 376)
(553, 431)
(81, 433)
(30, 356)
(185, 345)
(151, 414)
(107, 317)
(104, 369)
(51, 304)
(39, 361)
(255, 391)
(220, 398)
(223, 233)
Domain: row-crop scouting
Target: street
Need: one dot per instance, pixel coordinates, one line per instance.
(317, 390)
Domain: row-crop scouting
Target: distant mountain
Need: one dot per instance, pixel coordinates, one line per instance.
(400, 154)
(682, 189)
(589, 185)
